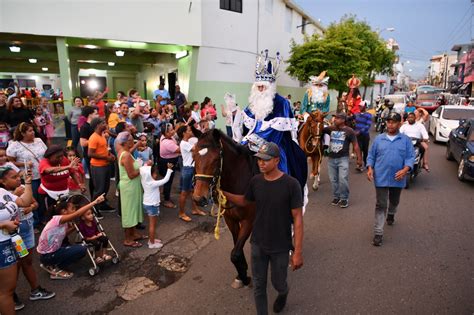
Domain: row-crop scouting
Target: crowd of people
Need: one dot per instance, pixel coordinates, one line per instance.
(140, 145)
(137, 144)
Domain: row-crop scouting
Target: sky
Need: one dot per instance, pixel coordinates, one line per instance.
(422, 27)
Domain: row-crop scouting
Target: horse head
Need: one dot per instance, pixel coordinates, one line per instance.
(207, 155)
(315, 122)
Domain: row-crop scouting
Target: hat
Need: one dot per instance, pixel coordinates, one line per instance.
(268, 151)
(95, 122)
(341, 115)
(52, 150)
(394, 116)
(321, 79)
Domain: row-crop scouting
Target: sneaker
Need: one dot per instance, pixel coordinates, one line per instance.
(378, 240)
(156, 245)
(335, 201)
(87, 176)
(41, 294)
(18, 304)
(390, 219)
(343, 203)
(279, 303)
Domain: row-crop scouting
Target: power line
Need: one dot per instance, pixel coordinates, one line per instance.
(447, 40)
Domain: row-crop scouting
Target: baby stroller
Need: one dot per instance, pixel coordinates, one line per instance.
(80, 201)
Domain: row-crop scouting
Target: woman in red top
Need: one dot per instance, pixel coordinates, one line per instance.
(54, 172)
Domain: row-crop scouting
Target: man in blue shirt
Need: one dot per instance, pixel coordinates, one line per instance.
(161, 95)
(363, 121)
(390, 159)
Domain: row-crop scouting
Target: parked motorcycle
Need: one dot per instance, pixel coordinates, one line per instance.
(418, 165)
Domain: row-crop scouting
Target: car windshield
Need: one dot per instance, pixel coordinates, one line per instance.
(458, 113)
(396, 98)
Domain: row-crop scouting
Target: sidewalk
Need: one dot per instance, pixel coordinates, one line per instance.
(139, 271)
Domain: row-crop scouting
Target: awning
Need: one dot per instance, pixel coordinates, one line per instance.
(379, 81)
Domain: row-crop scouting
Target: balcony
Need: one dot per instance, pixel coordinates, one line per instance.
(454, 79)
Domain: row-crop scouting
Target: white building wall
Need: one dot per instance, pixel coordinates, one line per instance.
(157, 21)
(231, 40)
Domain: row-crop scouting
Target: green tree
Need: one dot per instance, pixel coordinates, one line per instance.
(346, 48)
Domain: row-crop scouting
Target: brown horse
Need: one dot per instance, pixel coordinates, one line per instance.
(311, 142)
(221, 164)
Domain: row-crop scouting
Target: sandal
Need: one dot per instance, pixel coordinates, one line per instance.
(169, 204)
(133, 244)
(199, 212)
(141, 237)
(99, 260)
(185, 218)
(59, 274)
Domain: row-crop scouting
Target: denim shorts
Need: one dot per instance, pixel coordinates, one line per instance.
(152, 211)
(7, 254)
(186, 180)
(27, 232)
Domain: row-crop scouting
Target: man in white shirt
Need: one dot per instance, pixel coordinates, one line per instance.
(417, 130)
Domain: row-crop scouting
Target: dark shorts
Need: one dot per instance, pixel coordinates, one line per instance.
(7, 254)
(186, 180)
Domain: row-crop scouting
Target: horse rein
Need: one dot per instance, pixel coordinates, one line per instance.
(317, 136)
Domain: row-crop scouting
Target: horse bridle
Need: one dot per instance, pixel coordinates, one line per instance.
(214, 180)
(311, 135)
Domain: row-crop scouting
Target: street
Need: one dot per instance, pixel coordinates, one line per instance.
(424, 265)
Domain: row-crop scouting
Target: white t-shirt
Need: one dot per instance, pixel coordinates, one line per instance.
(196, 116)
(28, 152)
(8, 211)
(151, 193)
(186, 147)
(417, 131)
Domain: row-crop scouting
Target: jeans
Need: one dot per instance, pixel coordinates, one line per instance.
(100, 177)
(64, 256)
(75, 136)
(228, 130)
(87, 169)
(279, 270)
(384, 195)
(338, 170)
(363, 140)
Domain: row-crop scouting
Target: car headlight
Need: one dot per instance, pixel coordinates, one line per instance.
(471, 158)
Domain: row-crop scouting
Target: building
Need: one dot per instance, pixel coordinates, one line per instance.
(440, 69)
(209, 47)
(463, 70)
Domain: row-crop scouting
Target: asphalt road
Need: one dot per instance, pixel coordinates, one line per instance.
(425, 265)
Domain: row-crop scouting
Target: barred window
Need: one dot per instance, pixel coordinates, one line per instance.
(231, 5)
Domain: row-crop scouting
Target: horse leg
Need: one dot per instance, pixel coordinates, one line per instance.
(238, 257)
(314, 172)
(235, 227)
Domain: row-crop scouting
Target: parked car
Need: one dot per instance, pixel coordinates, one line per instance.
(446, 118)
(399, 101)
(460, 147)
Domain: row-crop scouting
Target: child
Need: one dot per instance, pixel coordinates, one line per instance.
(90, 231)
(187, 143)
(53, 256)
(40, 121)
(151, 198)
(4, 135)
(144, 152)
(4, 161)
(76, 184)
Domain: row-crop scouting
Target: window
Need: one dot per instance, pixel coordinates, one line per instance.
(288, 19)
(231, 5)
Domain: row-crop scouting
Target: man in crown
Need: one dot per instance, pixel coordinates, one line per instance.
(269, 118)
(317, 96)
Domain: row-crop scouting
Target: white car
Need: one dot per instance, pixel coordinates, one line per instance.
(446, 118)
(399, 101)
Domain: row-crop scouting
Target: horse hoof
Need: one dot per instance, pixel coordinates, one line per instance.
(237, 284)
(315, 187)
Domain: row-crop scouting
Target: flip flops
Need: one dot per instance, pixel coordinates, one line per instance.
(134, 244)
(199, 212)
(185, 218)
